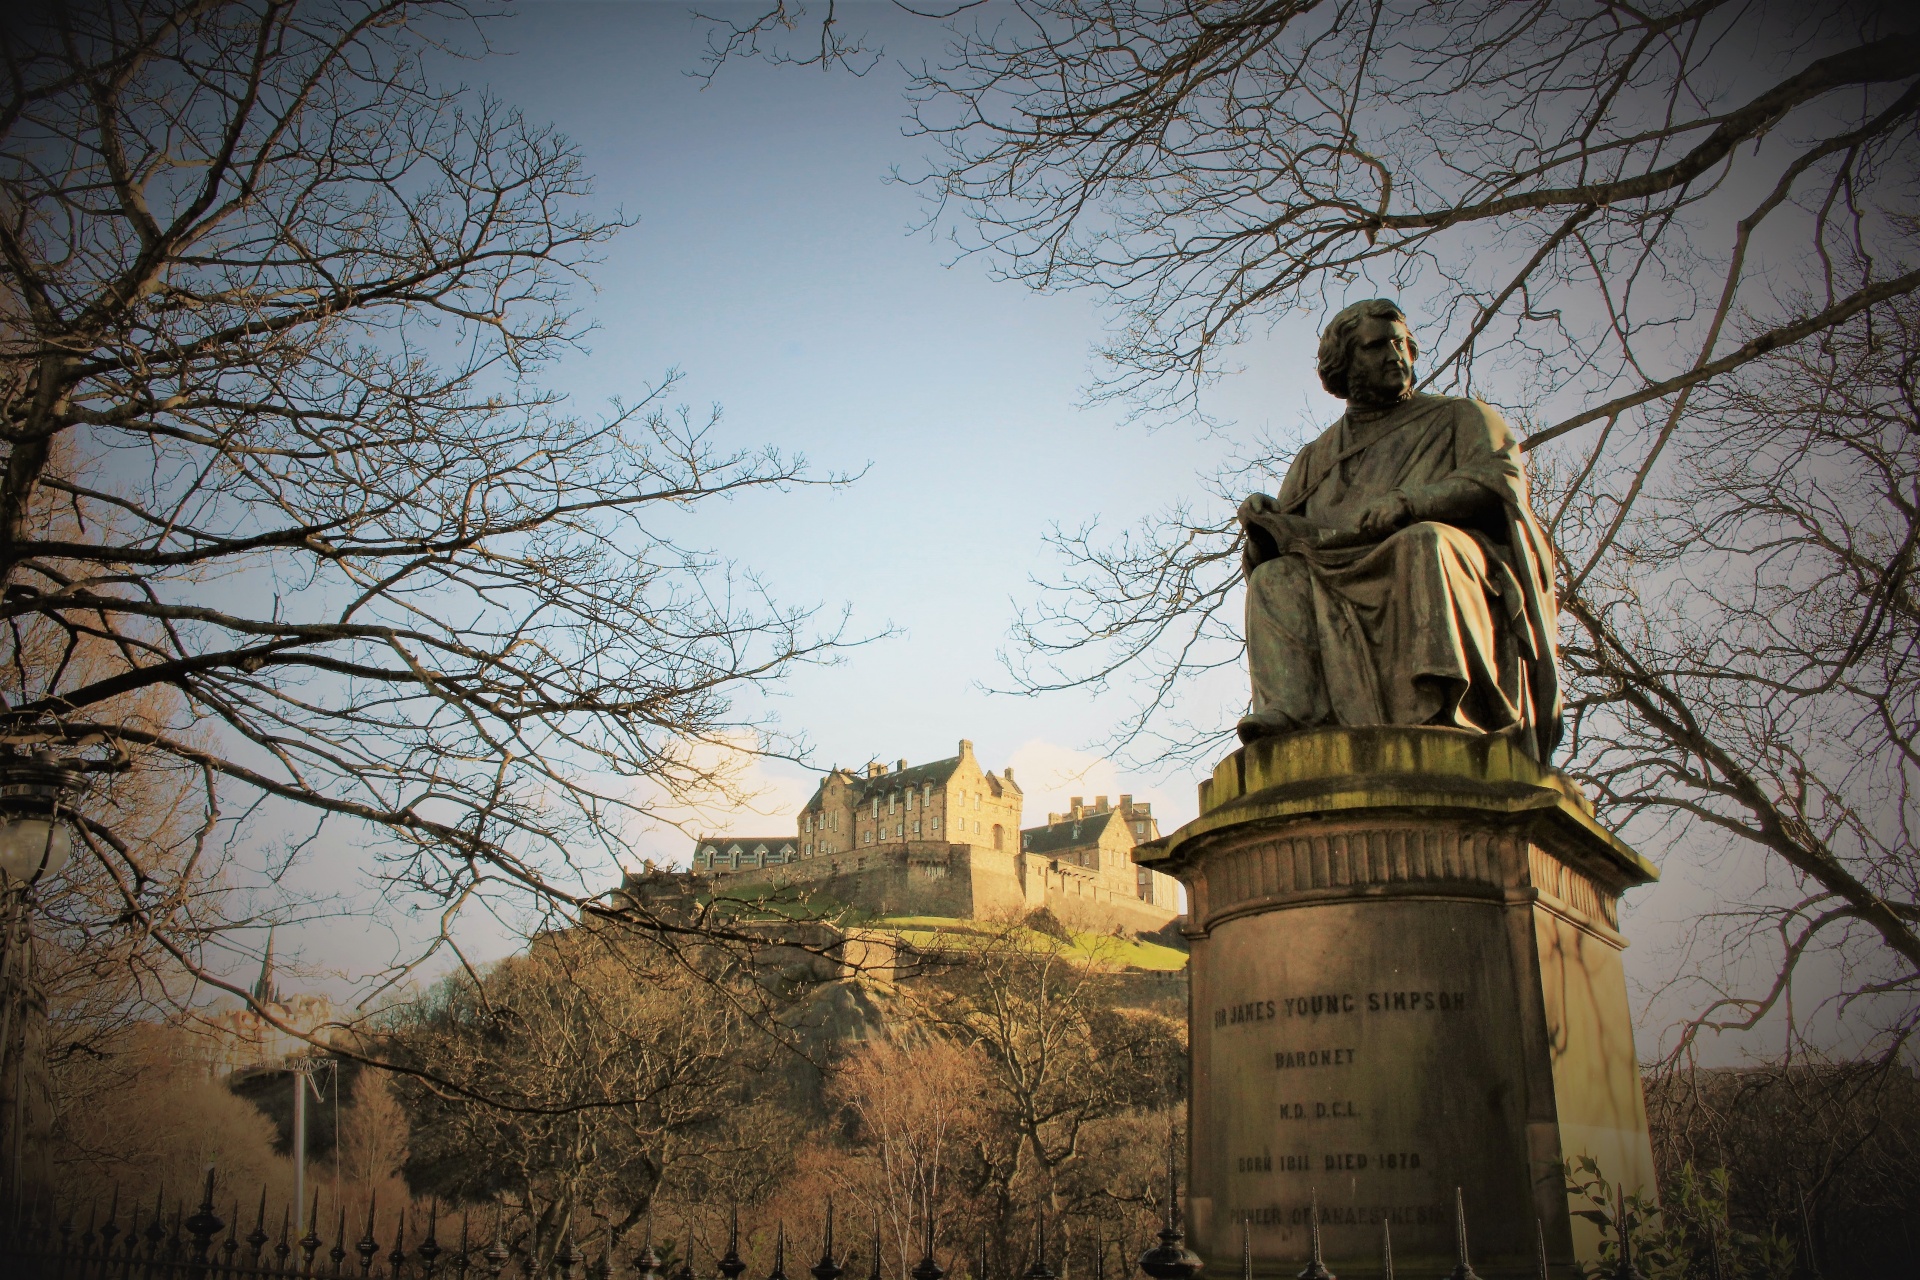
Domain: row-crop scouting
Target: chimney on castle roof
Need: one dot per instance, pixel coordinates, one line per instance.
(1126, 803)
(876, 769)
(966, 748)
(903, 764)
(1053, 819)
(1099, 804)
(1075, 807)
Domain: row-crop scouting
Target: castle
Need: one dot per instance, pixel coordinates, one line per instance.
(944, 839)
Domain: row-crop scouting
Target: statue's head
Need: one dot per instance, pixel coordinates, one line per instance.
(1336, 343)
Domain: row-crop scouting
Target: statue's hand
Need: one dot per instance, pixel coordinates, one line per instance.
(1257, 504)
(1383, 515)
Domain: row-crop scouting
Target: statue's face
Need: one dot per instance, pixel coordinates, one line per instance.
(1380, 362)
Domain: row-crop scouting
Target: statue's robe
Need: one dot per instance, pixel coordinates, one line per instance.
(1434, 624)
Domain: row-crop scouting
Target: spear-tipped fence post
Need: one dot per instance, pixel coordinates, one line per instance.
(730, 1264)
(111, 1231)
(827, 1268)
(257, 1238)
(1626, 1270)
(927, 1268)
(873, 1271)
(398, 1258)
(284, 1245)
(1386, 1249)
(429, 1249)
(1462, 1269)
(367, 1245)
(569, 1256)
(980, 1263)
(495, 1253)
(1540, 1250)
(779, 1271)
(155, 1233)
(310, 1242)
(1039, 1270)
(1316, 1268)
(1171, 1259)
(646, 1263)
(462, 1259)
(686, 1262)
(229, 1248)
(338, 1254)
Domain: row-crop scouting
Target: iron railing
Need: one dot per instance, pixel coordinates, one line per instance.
(202, 1245)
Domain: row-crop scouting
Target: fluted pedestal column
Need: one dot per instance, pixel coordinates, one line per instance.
(1406, 978)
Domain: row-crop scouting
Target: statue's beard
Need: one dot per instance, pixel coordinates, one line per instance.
(1374, 393)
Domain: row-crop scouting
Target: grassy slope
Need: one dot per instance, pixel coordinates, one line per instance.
(945, 931)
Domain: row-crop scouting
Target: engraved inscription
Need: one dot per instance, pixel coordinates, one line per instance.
(1335, 1003)
(1410, 1215)
(1355, 1161)
(1341, 1109)
(1289, 1059)
(1416, 1001)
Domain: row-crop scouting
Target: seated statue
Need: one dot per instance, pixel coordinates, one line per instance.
(1400, 576)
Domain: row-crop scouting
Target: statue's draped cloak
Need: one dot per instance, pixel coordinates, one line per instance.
(1436, 623)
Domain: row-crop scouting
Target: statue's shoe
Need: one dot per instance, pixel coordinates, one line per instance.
(1266, 724)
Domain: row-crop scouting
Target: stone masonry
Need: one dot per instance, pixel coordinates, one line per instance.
(944, 839)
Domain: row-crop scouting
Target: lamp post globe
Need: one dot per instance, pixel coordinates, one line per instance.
(35, 839)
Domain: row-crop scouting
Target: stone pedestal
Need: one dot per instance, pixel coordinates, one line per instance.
(1406, 978)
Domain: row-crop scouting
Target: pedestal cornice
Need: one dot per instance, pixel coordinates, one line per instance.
(1348, 812)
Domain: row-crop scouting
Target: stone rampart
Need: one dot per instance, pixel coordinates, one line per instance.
(968, 882)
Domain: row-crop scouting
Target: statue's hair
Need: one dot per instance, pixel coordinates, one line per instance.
(1336, 343)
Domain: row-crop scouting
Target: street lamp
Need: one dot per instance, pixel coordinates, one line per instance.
(35, 843)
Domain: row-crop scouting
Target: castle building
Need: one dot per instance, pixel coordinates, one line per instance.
(944, 838)
(239, 1039)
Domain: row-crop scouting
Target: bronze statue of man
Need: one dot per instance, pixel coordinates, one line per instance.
(1400, 576)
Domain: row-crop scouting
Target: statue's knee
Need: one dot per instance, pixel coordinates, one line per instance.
(1428, 533)
(1286, 576)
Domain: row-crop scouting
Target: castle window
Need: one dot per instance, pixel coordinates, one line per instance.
(926, 794)
(976, 827)
(936, 824)
(809, 851)
(998, 835)
(876, 805)
(892, 798)
(1026, 841)
(916, 828)
(899, 831)
(909, 798)
(869, 837)
(1139, 828)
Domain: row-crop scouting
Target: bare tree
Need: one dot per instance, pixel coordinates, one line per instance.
(1060, 1056)
(1674, 242)
(584, 1071)
(1748, 668)
(917, 1107)
(287, 515)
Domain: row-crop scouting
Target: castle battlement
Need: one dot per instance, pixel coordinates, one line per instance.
(944, 839)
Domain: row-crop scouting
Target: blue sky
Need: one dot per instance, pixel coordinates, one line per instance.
(776, 266)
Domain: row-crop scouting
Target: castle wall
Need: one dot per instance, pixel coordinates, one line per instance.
(965, 882)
